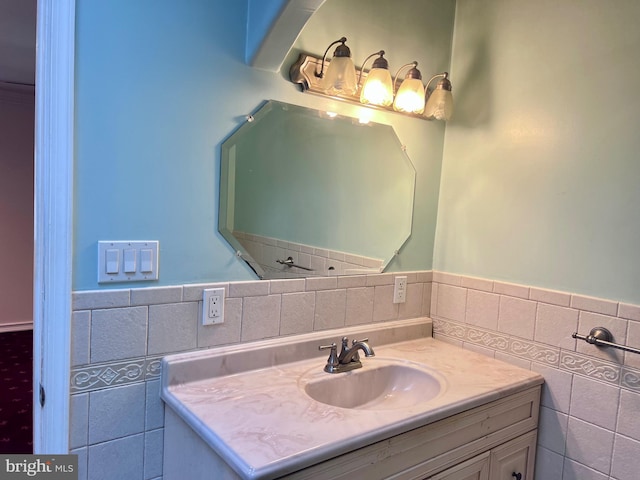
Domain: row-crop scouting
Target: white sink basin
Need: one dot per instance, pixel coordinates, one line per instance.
(379, 385)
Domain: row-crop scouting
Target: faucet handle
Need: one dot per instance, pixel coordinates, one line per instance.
(332, 361)
(353, 342)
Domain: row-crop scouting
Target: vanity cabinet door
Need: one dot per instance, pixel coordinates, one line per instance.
(476, 468)
(515, 459)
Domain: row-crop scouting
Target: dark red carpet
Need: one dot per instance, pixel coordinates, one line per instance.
(16, 374)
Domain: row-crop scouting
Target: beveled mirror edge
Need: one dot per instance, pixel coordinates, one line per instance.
(226, 206)
(225, 212)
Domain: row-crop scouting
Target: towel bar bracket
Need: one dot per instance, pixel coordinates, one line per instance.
(290, 263)
(602, 337)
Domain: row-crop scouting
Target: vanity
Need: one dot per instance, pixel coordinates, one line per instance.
(419, 409)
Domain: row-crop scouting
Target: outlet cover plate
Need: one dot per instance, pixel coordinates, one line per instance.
(400, 289)
(212, 306)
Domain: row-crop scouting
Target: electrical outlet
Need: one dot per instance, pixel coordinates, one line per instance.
(400, 290)
(213, 306)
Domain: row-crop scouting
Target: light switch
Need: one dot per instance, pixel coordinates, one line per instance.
(129, 260)
(112, 260)
(146, 260)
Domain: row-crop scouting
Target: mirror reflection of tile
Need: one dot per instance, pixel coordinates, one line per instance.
(272, 254)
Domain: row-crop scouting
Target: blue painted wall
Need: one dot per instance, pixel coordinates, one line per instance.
(160, 84)
(541, 176)
(540, 171)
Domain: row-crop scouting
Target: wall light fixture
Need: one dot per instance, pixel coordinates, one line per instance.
(411, 94)
(440, 101)
(377, 88)
(338, 78)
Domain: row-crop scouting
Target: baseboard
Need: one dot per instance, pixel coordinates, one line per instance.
(15, 327)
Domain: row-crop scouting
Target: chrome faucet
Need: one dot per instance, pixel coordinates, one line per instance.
(349, 358)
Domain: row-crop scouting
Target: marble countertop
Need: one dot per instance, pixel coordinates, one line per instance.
(264, 426)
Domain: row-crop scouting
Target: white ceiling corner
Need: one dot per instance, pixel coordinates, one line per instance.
(277, 40)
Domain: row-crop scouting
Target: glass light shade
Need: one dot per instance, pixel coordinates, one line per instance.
(377, 88)
(410, 96)
(340, 77)
(439, 105)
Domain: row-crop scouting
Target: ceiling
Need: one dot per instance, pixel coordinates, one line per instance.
(18, 41)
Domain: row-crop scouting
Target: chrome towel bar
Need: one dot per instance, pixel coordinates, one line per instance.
(290, 263)
(602, 337)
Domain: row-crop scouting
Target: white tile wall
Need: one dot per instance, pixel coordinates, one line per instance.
(383, 306)
(172, 327)
(79, 410)
(576, 471)
(590, 402)
(119, 458)
(632, 312)
(260, 317)
(551, 297)
(413, 306)
(330, 309)
(589, 445)
(625, 458)
(451, 302)
(596, 305)
(595, 402)
(482, 309)
(297, 313)
(589, 419)
(552, 429)
(629, 415)
(556, 391)
(154, 408)
(517, 317)
(117, 417)
(554, 325)
(153, 448)
(359, 308)
(548, 464)
(116, 412)
(118, 333)
(81, 325)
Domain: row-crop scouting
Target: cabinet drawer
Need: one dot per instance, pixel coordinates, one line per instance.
(475, 469)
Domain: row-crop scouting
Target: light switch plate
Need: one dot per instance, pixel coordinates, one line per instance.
(128, 261)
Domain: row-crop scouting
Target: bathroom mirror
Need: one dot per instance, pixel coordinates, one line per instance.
(305, 193)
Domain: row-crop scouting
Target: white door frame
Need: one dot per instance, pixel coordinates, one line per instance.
(53, 223)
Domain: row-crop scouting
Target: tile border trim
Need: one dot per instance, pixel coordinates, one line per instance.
(573, 362)
(98, 376)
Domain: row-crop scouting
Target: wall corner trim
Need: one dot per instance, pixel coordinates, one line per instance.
(267, 48)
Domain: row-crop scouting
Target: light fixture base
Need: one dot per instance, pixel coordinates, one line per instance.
(304, 70)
